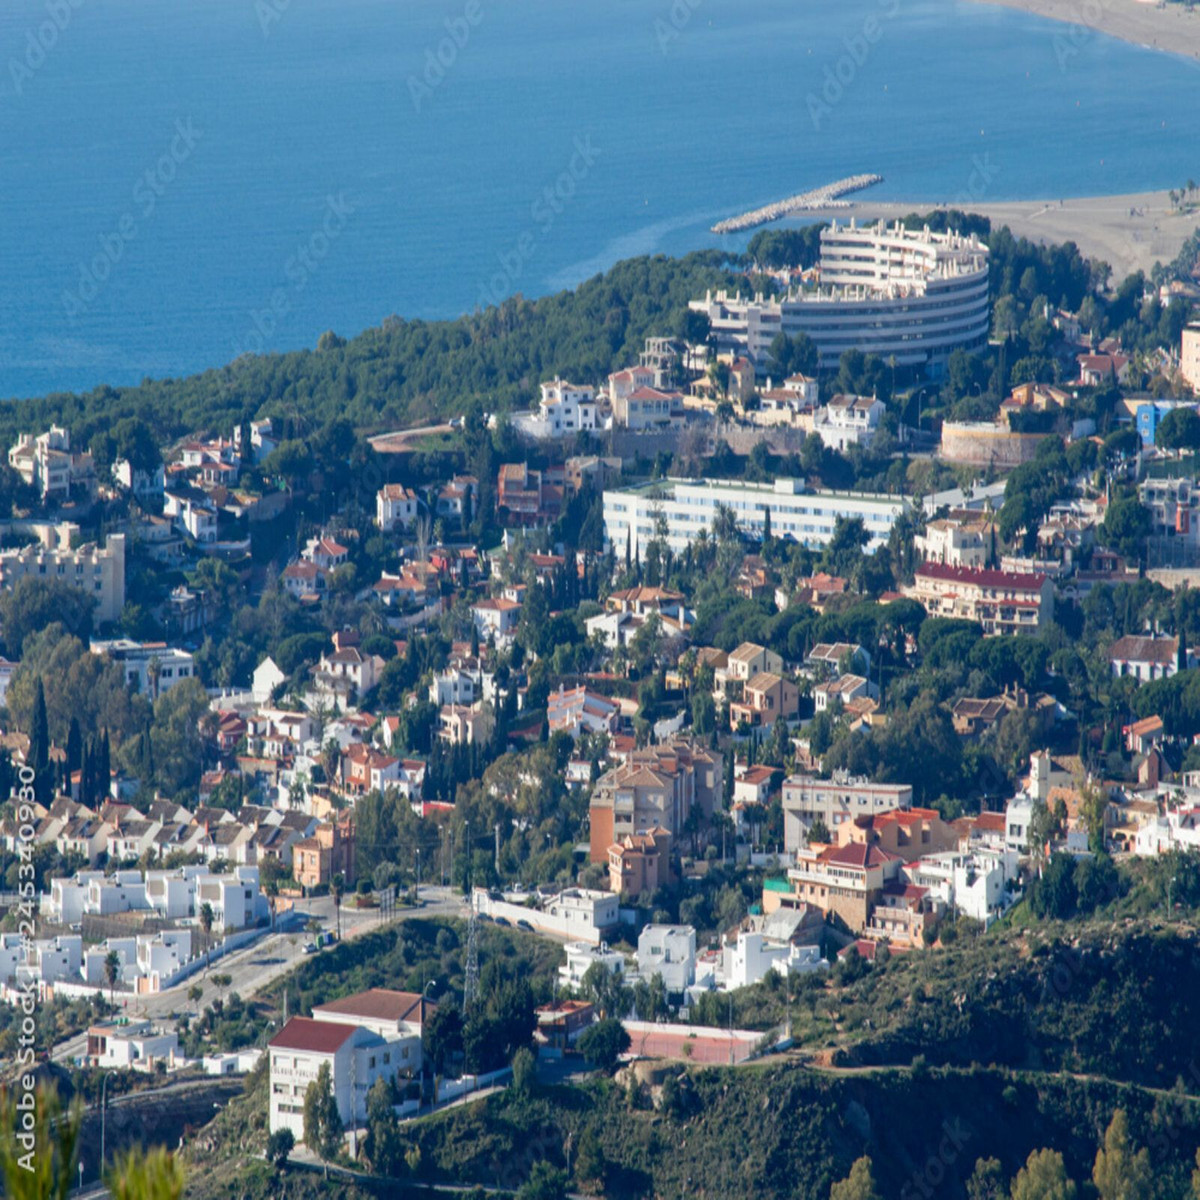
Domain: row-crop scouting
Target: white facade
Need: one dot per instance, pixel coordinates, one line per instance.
(150, 669)
(564, 409)
(669, 951)
(689, 506)
(1018, 816)
(911, 295)
(974, 885)
(581, 956)
(751, 956)
(582, 914)
(132, 1045)
(395, 507)
(848, 421)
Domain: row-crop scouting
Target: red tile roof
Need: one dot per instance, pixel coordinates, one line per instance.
(315, 1037)
(1013, 580)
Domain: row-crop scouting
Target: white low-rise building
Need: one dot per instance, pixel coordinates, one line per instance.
(688, 506)
(752, 955)
(669, 951)
(980, 884)
(582, 956)
(130, 1045)
(150, 668)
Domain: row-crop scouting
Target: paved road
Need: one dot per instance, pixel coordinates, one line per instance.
(251, 969)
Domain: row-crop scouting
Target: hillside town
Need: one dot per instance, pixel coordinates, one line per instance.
(724, 670)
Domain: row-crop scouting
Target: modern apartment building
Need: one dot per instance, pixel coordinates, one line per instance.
(911, 295)
(99, 572)
(151, 668)
(656, 787)
(807, 799)
(1001, 601)
(689, 506)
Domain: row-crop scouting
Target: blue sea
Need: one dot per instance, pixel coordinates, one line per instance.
(184, 180)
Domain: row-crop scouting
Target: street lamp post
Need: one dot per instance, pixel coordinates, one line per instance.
(103, 1119)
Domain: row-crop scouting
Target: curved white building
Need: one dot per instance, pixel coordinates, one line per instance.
(910, 294)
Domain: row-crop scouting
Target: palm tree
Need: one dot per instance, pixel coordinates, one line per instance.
(337, 889)
(112, 970)
(195, 993)
(206, 924)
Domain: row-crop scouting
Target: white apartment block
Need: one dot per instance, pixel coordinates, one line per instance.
(689, 506)
(834, 801)
(151, 668)
(45, 463)
(395, 507)
(956, 543)
(911, 295)
(99, 573)
(372, 1035)
(669, 951)
(1189, 355)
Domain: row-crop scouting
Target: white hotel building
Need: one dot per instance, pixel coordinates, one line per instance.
(913, 295)
(689, 506)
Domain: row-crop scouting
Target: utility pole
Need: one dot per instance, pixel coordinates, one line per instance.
(497, 831)
(417, 895)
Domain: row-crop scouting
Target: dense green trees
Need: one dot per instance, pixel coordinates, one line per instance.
(34, 603)
(322, 1123)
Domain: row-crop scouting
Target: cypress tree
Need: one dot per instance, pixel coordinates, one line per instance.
(74, 748)
(85, 777)
(39, 733)
(105, 765)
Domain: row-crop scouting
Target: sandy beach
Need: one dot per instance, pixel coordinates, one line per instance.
(1164, 26)
(1130, 233)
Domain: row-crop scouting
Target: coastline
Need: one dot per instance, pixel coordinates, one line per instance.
(1170, 28)
(1129, 232)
